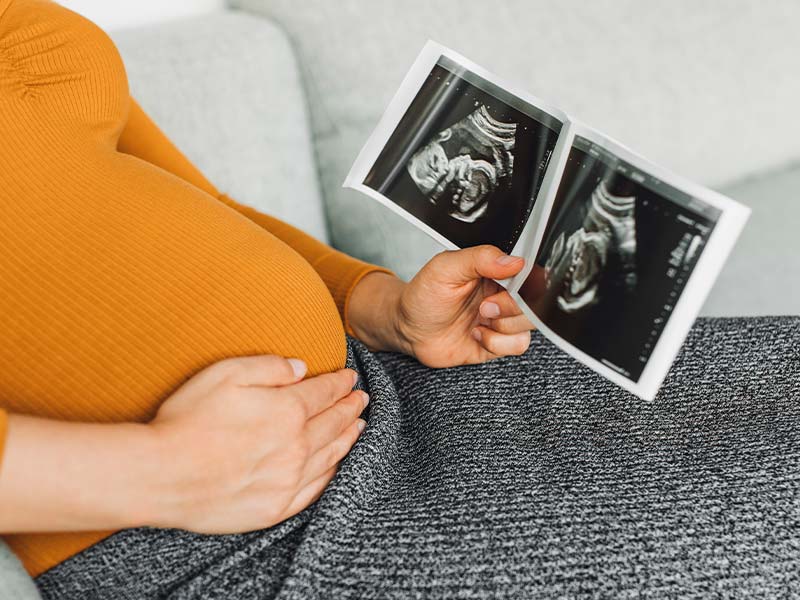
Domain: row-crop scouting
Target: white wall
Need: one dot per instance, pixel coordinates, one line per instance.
(121, 14)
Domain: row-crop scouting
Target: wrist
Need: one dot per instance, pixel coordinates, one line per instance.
(165, 482)
(149, 505)
(375, 314)
(117, 492)
(60, 476)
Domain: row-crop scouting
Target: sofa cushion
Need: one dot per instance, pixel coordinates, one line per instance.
(762, 276)
(706, 90)
(14, 579)
(225, 88)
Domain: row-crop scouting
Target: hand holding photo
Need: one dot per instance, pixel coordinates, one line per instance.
(620, 253)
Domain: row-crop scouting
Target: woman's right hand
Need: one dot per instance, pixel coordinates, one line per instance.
(247, 443)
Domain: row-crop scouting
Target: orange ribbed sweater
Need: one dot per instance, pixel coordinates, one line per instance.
(123, 271)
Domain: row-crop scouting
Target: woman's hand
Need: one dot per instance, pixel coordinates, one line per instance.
(247, 444)
(242, 445)
(451, 313)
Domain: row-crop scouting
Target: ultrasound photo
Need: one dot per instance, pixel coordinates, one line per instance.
(467, 158)
(605, 242)
(465, 164)
(617, 251)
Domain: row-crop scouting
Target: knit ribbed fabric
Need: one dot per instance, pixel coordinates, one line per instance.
(121, 271)
(524, 477)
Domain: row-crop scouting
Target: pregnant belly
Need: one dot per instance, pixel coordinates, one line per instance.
(107, 307)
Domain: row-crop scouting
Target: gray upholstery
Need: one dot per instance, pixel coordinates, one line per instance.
(762, 276)
(225, 88)
(707, 90)
(14, 581)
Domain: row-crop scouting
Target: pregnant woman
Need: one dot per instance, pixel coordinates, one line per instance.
(170, 358)
(176, 418)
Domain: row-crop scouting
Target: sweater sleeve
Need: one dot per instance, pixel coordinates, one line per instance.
(142, 138)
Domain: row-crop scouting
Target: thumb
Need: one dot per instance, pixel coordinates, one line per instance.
(463, 266)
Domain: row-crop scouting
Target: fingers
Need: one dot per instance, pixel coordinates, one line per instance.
(322, 467)
(310, 493)
(512, 325)
(264, 370)
(463, 266)
(504, 315)
(498, 306)
(323, 429)
(502, 344)
(331, 455)
(323, 391)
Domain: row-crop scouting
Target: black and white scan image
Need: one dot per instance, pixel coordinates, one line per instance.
(606, 240)
(617, 251)
(467, 158)
(462, 166)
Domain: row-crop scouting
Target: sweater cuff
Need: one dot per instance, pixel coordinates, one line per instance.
(346, 301)
(341, 277)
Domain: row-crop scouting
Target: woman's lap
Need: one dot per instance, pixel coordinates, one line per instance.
(525, 476)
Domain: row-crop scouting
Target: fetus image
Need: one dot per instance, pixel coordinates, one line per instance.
(603, 247)
(462, 166)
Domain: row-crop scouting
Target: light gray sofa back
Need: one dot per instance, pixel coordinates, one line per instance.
(14, 580)
(708, 89)
(226, 89)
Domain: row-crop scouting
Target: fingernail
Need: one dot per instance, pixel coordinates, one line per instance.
(490, 310)
(476, 333)
(365, 398)
(355, 377)
(507, 259)
(298, 366)
(361, 424)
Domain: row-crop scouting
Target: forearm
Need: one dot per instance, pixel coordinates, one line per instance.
(59, 476)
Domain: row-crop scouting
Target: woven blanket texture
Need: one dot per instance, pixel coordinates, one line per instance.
(526, 477)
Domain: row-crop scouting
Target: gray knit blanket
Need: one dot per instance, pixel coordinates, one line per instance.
(527, 477)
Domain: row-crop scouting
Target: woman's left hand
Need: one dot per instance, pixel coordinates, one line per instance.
(451, 313)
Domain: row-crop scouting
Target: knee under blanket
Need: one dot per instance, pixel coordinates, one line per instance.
(524, 477)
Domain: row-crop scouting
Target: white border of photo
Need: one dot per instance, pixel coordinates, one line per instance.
(722, 239)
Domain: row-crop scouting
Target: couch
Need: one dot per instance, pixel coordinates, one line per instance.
(273, 98)
(707, 92)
